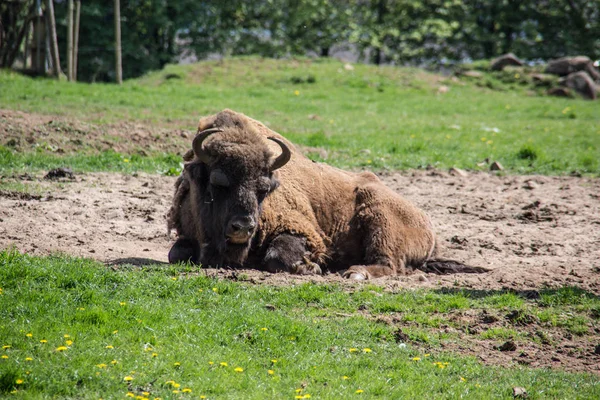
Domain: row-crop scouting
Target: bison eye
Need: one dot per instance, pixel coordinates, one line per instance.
(218, 178)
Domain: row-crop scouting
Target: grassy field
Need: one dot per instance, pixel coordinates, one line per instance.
(361, 116)
(74, 329)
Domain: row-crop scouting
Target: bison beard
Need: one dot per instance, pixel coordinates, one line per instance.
(228, 210)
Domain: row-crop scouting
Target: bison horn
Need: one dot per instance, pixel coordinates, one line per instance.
(197, 144)
(284, 157)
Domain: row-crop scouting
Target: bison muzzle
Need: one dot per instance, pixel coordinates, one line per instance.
(248, 198)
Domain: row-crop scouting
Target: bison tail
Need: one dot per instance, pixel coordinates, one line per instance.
(446, 267)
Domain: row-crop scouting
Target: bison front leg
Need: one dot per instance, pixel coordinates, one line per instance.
(289, 253)
(184, 250)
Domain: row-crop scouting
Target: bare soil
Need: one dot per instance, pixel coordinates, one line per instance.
(532, 232)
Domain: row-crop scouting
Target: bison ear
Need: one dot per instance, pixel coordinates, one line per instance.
(274, 184)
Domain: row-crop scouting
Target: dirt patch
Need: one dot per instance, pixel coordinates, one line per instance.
(479, 219)
(62, 135)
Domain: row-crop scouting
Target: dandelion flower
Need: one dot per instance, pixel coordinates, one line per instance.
(202, 397)
(69, 342)
(126, 160)
(264, 329)
(239, 369)
(66, 336)
(174, 278)
(113, 362)
(101, 365)
(29, 335)
(61, 348)
(80, 308)
(154, 355)
(122, 303)
(115, 332)
(110, 346)
(177, 364)
(273, 361)
(176, 385)
(270, 372)
(299, 397)
(299, 390)
(359, 391)
(6, 347)
(146, 393)
(43, 341)
(367, 350)
(463, 379)
(223, 364)
(215, 289)
(211, 362)
(186, 390)
(128, 378)
(28, 359)
(306, 396)
(416, 358)
(296, 92)
(352, 350)
(19, 381)
(4, 356)
(345, 377)
(175, 391)
(129, 394)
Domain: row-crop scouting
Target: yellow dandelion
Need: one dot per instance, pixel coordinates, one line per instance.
(43, 341)
(110, 346)
(273, 361)
(477, 385)
(306, 396)
(146, 393)
(177, 364)
(359, 391)
(6, 347)
(416, 358)
(299, 390)
(19, 381)
(115, 331)
(101, 365)
(223, 364)
(80, 308)
(186, 390)
(463, 379)
(4, 356)
(122, 303)
(174, 278)
(367, 350)
(566, 110)
(353, 350)
(128, 378)
(215, 289)
(296, 92)
(148, 348)
(264, 329)
(176, 385)
(270, 372)
(14, 391)
(345, 377)
(426, 355)
(28, 359)
(175, 391)
(129, 394)
(483, 139)
(29, 335)
(113, 362)
(126, 160)
(61, 348)
(211, 362)
(202, 397)
(66, 336)
(158, 398)
(154, 355)
(299, 397)
(239, 369)
(69, 342)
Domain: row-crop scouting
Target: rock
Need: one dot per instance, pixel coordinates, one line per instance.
(472, 74)
(496, 166)
(559, 92)
(519, 393)
(509, 345)
(567, 65)
(58, 173)
(458, 172)
(597, 349)
(542, 79)
(581, 83)
(530, 185)
(348, 67)
(443, 89)
(498, 64)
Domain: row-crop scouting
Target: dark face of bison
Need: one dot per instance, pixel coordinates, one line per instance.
(229, 180)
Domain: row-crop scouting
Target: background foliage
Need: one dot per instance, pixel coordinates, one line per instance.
(431, 32)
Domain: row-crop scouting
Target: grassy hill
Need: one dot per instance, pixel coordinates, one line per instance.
(349, 115)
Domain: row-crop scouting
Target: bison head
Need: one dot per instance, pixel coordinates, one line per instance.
(230, 177)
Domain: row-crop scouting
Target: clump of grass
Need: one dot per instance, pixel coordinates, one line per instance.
(527, 152)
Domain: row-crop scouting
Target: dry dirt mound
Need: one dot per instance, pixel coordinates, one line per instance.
(532, 231)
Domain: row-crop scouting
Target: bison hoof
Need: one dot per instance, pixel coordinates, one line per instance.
(357, 276)
(357, 272)
(306, 267)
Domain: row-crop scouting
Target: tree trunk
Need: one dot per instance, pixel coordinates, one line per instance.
(76, 37)
(70, 41)
(53, 40)
(118, 65)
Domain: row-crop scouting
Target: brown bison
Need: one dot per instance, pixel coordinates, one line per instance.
(238, 204)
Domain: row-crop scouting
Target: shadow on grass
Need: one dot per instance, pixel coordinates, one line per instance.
(563, 295)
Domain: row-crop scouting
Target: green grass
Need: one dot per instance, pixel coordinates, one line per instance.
(171, 323)
(374, 117)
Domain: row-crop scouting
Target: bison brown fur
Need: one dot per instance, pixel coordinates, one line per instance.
(238, 204)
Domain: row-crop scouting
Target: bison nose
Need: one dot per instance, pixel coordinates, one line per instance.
(241, 227)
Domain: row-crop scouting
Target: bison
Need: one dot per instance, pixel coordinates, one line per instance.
(248, 198)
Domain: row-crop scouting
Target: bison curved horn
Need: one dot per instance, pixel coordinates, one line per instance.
(197, 144)
(284, 157)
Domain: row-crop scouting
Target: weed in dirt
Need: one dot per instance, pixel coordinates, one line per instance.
(374, 117)
(80, 329)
